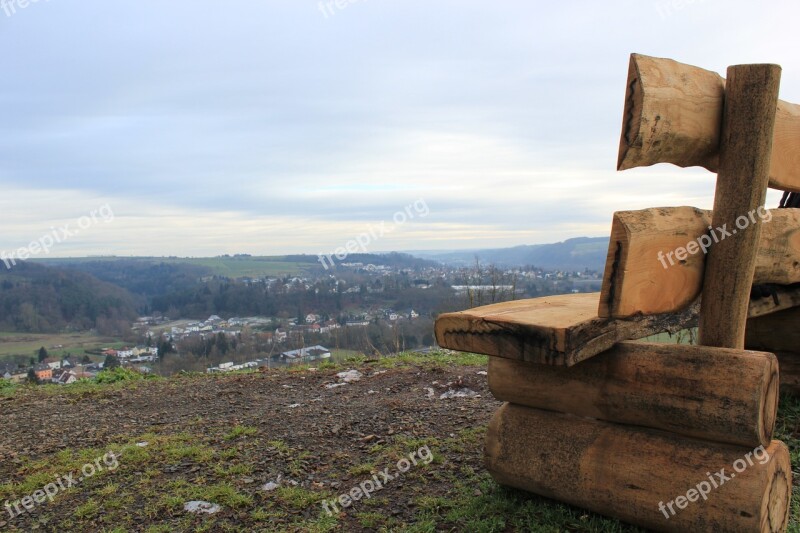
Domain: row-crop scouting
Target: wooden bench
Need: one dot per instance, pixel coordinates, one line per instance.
(627, 428)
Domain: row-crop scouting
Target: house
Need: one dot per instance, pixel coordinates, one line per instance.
(311, 318)
(329, 326)
(12, 372)
(64, 377)
(357, 323)
(280, 335)
(54, 364)
(144, 359)
(414, 314)
(43, 372)
(125, 353)
(312, 353)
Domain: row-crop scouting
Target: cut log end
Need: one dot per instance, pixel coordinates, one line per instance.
(769, 407)
(634, 96)
(662, 101)
(775, 503)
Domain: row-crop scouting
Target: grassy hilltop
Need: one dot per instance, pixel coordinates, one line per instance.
(270, 447)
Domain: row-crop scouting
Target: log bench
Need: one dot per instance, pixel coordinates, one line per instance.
(598, 419)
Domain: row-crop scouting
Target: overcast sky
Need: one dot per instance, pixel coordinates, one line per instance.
(284, 126)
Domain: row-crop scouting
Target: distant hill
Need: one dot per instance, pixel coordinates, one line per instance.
(39, 299)
(572, 254)
(157, 275)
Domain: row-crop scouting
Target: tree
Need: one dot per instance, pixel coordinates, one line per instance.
(111, 362)
(86, 360)
(32, 376)
(165, 347)
(222, 343)
(42, 354)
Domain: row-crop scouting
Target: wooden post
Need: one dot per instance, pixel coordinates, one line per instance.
(748, 124)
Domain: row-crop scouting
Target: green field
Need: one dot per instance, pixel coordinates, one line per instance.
(232, 267)
(238, 267)
(28, 344)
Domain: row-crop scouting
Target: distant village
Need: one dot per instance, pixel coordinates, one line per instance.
(216, 344)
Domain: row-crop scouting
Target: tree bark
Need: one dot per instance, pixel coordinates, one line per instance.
(633, 473)
(714, 394)
(673, 114)
(748, 124)
(656, 257)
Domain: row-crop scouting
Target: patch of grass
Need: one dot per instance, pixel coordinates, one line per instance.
(323, 524)
(88, 510)
(362, 469)
(300, 498)
(114, 375)
(786, 430)
(436, 359)
(233, 470)
(266, 515)
(196, 452)
(479, 505)
(222, 494)
(241, 431)
(371, 520)
(7, 388)
(280, 446)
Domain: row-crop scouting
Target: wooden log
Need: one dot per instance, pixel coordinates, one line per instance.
(635, 280)
(554, 330)
(778, 332)
(781, 297)
(714, 394)
(656, 259)
(789, 363)
(748, 123)
(633, 473)
(673, 114)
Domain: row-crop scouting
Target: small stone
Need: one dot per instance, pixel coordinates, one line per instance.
(198, 507)
(350, 376)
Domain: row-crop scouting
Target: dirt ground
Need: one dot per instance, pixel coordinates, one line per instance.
(268, 446)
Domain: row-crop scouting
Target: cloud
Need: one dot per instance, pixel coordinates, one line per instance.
(264, 127)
